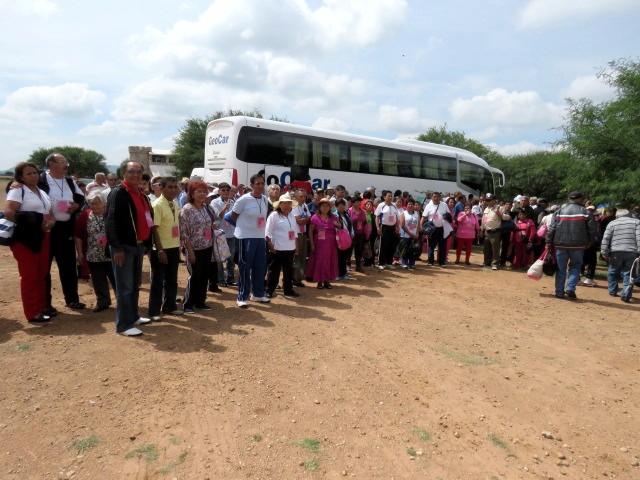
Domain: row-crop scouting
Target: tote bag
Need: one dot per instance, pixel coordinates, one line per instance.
(343, 238)
(221, 250)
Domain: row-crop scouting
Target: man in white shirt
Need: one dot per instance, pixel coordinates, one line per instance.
(434, 212)
(249, 213)
(66, 200)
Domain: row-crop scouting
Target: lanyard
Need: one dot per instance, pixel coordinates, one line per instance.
(259, 202)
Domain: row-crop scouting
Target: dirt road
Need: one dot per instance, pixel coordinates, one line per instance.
(443, 373)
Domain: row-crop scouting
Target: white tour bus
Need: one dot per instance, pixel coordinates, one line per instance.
(238, 147)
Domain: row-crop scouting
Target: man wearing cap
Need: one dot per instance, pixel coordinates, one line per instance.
(571, 230)
(492, 218)
(621, 246)
(221, 206)
(182, 196)
(318, 194)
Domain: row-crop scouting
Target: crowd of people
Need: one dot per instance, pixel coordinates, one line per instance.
(285, 239)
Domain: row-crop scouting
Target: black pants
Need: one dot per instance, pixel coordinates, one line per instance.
(343, 257)
(505, 241)
(589, 262)
(63, 249)
(387, 245)
(281, 260)
(438, 240)
(372, 240)
(164, 279)
(196, 291)
(358, 246)
(101, 277)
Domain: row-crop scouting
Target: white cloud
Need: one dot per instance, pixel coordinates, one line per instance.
(519, 148)
(590, 87)
(542, 13)
(397, 119)
(499, 107)
(40, 8)
(331, 124)
(70, 100)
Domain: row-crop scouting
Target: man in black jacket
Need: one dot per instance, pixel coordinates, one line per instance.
(128, 223)
(571, 231)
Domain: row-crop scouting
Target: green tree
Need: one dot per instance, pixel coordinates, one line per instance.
(537, 173)
(460, 140)
(605, 138)
(188, 148)
(82, 162)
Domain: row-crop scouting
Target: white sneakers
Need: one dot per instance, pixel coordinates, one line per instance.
(265, 299)
(142, 321)
(242, 304)
(132, 332)
(588, 282)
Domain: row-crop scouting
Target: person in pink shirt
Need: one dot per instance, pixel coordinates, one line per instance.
(466, 232)
(522, 240)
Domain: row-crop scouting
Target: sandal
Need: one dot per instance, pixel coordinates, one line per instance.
(320, 286)
(76, 305)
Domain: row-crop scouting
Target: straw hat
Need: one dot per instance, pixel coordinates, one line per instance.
(285, 198)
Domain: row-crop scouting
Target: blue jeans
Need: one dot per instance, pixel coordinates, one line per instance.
(252, 266)
(228, 275)
(620, 265)
(572, 258)
(128, 279)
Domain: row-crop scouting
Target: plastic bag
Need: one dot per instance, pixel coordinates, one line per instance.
(535, 270)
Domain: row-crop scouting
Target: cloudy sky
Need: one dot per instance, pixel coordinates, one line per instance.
(106, 75)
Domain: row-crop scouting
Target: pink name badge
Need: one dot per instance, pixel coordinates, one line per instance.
(175, 231)
(292, 235)
(321, 234)
(102, 240)
(436, 216)
(392, 218)
(261, 222)
(63, 206)
(412, 226)
(147, 215)
(207, 233)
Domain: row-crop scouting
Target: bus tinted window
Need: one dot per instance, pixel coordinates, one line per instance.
(440, 168)
(365, 160)
(476, 177)
(296, 151)
(261, 146)
(329, 155)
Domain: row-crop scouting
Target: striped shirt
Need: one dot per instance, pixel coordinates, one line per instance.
(622, 235)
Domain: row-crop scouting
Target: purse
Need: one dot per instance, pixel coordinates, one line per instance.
(343, 238)
(7, 227)
(221, 250)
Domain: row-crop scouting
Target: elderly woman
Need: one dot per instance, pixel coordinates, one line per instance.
(281, 233)
(322, 266)
(197, 239)
(466, 233)
(30, 209)
(91, 239)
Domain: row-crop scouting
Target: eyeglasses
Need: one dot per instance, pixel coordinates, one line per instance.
(134, 172)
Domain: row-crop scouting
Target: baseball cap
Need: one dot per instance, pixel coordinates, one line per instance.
(489, 197)
(575, 195)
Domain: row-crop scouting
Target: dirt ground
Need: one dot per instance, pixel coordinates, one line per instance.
(441, 373)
